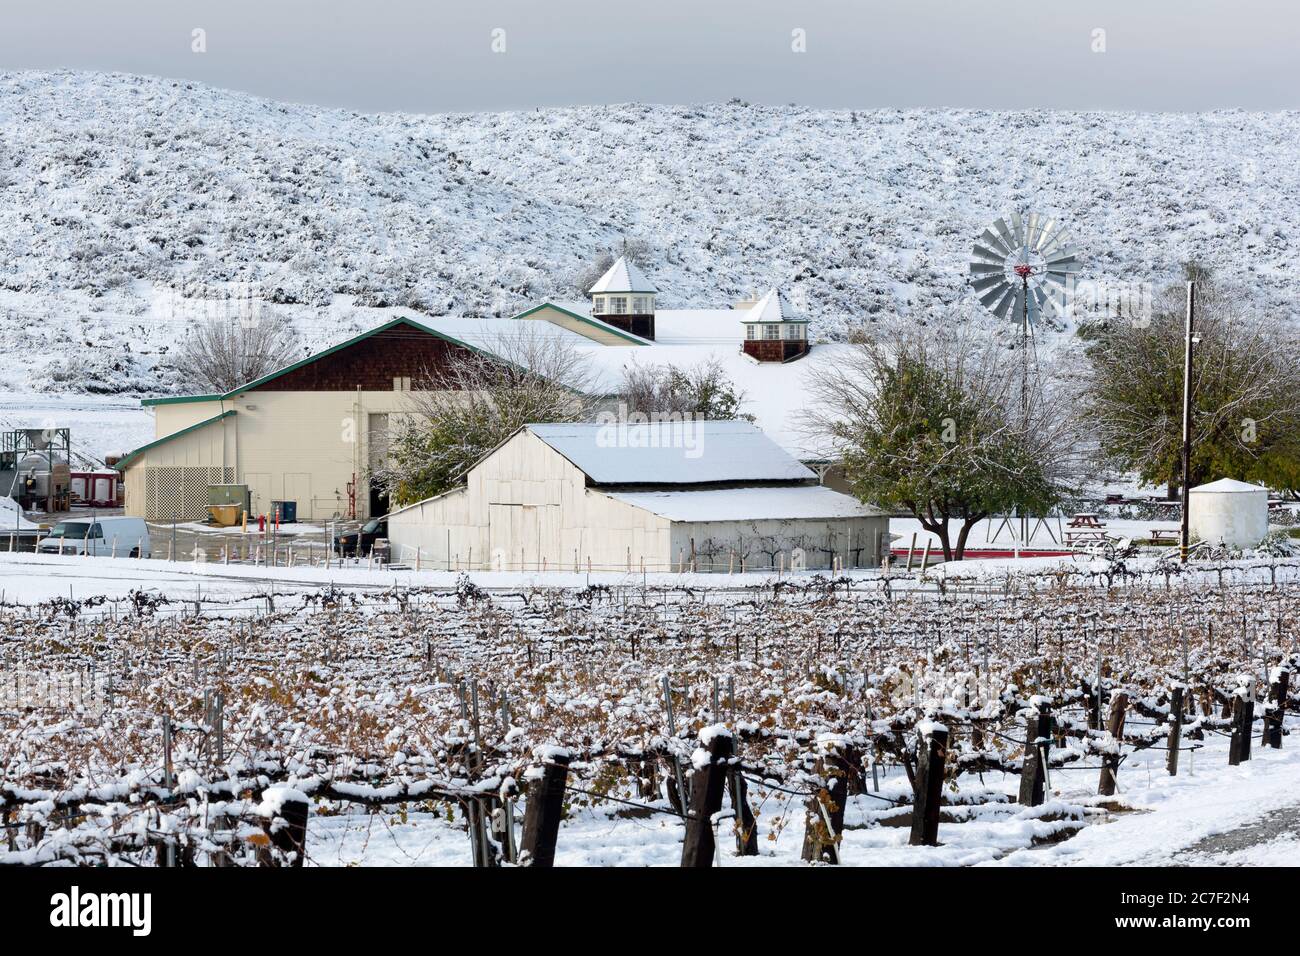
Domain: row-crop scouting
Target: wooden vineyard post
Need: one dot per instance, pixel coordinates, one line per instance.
(1277, 693)
(284, 811)
(929, 783)
(1110, 761)
(1175, 727)
(746, 825)
(1243, 717)
(707, 785)
(1038, 741)
(545, 808)
(824, 816)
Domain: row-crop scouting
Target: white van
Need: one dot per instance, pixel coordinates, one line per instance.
(120, 535)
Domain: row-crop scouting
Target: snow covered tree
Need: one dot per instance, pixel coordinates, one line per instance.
(932, 424)
(220, 354)
(462, 411)
(1245, 418)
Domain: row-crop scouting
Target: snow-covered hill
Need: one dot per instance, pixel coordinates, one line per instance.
(129, 205)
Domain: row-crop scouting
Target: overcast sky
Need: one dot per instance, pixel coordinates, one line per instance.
(436, 55)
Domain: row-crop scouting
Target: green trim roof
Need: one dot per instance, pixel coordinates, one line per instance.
(130, 458)
(180, 399)
(595, 323)
(270, 376)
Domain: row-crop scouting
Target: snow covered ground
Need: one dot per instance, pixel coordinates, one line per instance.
(1251, 812)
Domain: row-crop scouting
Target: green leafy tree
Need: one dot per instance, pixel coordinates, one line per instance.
(1245, 416)
(935, 427)
(465, 409)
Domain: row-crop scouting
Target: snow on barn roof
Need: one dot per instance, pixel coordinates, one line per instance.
(622, 276)
(672, 453)
(746, 504)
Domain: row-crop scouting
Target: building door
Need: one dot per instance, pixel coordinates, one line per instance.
(297, 488)
(259, 492)
(514, 537)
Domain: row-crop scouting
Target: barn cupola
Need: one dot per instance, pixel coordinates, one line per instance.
(625, 299)
(773, 333)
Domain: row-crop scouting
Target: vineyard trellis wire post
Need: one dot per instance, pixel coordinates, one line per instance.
(544, 808)
(1038, 741)
(707, 784)
(1243, 717)
(1278, 693)
(932, 753)
(1108, 783)
(1175, 727)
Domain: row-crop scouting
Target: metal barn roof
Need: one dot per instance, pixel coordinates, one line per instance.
(809, 502)
(672, 453)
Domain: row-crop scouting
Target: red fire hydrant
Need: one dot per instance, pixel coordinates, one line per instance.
(261, 524)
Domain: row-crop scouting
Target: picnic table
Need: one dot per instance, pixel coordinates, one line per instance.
(1085, 519)
(1085, 536)
(1159, 535)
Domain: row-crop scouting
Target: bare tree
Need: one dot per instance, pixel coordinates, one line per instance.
(220, 354)
(702, 389)
(461, 411)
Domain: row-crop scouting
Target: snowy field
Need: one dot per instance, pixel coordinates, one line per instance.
(394, 701)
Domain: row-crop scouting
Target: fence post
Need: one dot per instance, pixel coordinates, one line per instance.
(746, 825)
(284, 811)
(824, 818)
(1277, 695)
(545, 807)
(1110, 761)
(1175, 727)
(1243, 717)
(933, 751)
(1038, 739)
(707, 785)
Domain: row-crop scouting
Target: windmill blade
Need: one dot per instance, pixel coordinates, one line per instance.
(994, 242)
(1007, 238)
(990, 255)
(1035, 231)
(988, 281)
(1000, 310)
(984, 268)
(1018, 228)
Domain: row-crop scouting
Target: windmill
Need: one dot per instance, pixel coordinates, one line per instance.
(1022, 270)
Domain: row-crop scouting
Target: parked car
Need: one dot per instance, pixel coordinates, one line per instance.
(360, 542)
(117, 534)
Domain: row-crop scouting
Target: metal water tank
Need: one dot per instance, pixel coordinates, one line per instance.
(1229, 512)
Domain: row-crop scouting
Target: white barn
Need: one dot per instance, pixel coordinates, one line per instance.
(660, 496)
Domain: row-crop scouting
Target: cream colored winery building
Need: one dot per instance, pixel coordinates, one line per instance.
(658, 496)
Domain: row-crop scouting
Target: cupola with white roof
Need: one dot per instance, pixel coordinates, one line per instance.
(624, 298)
(773, 332)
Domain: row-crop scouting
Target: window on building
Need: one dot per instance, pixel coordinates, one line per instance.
(772, 331)
(794, 330)
(751, 332)
(598, 303)
(401, 384)
(618, 304)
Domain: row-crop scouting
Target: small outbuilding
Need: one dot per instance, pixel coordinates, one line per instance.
(709, 496)
(1228, 512)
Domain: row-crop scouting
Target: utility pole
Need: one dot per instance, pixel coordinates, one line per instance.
(1184, 538)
